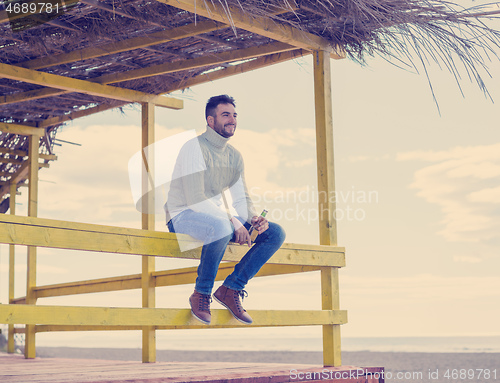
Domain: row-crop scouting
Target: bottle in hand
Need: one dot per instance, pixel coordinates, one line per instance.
(254, 233)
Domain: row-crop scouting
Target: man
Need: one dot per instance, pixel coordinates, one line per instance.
(205, 168)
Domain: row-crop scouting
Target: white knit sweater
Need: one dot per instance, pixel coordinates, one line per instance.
(206, 166)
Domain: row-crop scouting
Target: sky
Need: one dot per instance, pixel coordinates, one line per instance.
(418, 193)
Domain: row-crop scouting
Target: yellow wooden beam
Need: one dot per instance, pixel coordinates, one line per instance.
(162, 278)
(34, 145)
(163, 318)
(260, 25)
(70, 235)
(87, 87)
(148, 223)
(33, 166)
(326, 204)
(182, 32)
(22, 130)
(124, 282)
(11, 345)
(324, 148)
(339, 315)
(332, 354)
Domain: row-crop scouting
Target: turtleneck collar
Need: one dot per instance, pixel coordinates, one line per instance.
(215, 138)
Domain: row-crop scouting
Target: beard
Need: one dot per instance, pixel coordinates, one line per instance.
(225, 131)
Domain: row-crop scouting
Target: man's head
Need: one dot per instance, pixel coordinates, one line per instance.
(221, 115)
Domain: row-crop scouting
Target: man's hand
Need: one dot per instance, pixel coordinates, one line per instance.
(260, 224)
(240, 232)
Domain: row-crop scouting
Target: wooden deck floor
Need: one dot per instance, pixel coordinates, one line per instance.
(14, 368)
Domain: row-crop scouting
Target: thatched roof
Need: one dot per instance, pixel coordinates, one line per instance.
(117, 41)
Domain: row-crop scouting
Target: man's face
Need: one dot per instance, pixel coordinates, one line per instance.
(224, 121)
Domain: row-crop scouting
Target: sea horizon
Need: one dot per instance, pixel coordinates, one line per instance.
(215, 342)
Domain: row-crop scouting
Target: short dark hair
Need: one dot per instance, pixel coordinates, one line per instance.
(214, 102)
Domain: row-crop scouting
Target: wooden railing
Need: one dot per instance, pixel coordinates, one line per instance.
(39, 232)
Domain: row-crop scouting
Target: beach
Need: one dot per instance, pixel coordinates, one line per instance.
(399, 366)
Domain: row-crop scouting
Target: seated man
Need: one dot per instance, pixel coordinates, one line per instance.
(206, 166)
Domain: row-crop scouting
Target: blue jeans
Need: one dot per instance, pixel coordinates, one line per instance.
(216, 234)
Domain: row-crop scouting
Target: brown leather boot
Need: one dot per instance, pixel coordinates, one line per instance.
(200, 306)
(230, 299)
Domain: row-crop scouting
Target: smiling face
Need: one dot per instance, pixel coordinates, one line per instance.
(224, 121)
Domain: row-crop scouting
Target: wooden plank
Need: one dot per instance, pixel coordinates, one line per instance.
(182, 32)
(148, 223)
(70, 235)
(22, 130)
(124, 282)
(162, 278)
(178, 318)
(87, 87)
(261, 25)
(188, 275)
(229, 322)
(50, 370)
(326, 205)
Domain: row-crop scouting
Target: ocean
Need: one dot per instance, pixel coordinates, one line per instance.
(248, 340)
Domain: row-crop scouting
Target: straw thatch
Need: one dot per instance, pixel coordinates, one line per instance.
(407, 32)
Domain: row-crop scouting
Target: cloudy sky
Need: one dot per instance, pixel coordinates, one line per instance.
(418, 195)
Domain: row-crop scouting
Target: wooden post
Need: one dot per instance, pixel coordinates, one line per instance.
(11, 346)
(326, 200)
(29, 341)
(148, 223)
